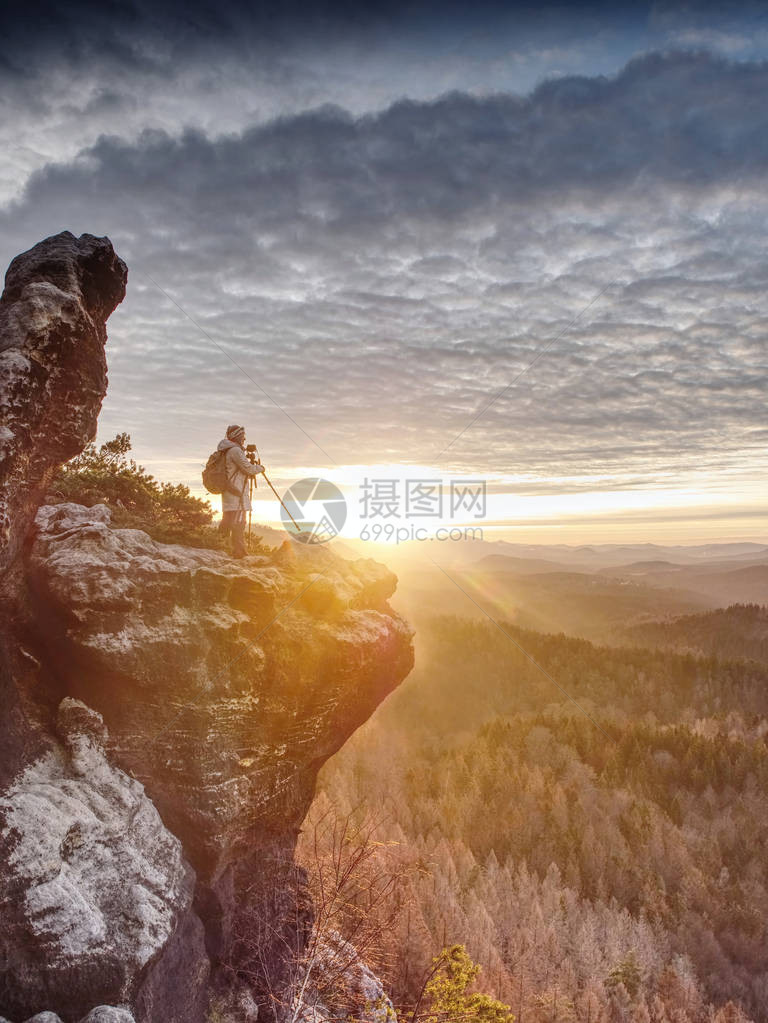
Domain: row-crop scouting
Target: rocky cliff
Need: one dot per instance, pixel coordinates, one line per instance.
(167, 708)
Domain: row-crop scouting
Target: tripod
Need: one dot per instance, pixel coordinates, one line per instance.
(250, 508)
(253, 455)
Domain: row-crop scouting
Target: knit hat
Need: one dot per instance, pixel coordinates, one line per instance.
(235, 433)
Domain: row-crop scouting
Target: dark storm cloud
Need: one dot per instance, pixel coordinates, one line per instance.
(384, 276)
(71, 72)
(160, 37)
(682, 119)
(233, 21)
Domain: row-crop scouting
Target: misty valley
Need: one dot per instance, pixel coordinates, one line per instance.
(589, 817)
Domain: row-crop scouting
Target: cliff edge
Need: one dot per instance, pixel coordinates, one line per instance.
(168, 708)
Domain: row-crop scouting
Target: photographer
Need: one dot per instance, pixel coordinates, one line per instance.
(235, 500)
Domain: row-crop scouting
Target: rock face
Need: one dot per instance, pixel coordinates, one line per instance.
(53, 371)
(95, 893)
(168, 708)
(93, 885)
(225, 685)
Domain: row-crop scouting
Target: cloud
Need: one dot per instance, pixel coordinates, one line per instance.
(384, 276)
(681, 119)
(71, 72)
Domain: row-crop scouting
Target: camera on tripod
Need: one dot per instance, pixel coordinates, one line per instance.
(252, 452)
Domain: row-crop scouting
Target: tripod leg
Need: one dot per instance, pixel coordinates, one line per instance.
(293, 520)
(250, 510)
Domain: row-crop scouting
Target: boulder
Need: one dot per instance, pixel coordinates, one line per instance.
(92, 885)
(108, 1014)
(101, 1014)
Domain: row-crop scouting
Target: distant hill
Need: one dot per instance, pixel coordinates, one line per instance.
(589, 591)
(738, 631)
(520, 566)
(643, 568)
(597, 557)
(720, 582)
(579, 603)
(744, 585)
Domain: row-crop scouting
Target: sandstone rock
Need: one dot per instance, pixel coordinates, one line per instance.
(101, 1014)
(108, 1014)
(361, 996)
(225, 685)
(92, 885)
(236, 1006)
(53, 373)
(87, 912)
(57, 298)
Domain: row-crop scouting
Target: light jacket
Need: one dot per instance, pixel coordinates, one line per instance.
(239, 472)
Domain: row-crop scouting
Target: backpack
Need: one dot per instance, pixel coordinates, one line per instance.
(215, 477)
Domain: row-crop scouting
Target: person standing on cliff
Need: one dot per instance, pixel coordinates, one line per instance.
(236, 499)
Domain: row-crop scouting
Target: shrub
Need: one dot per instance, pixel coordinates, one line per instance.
(167, 511)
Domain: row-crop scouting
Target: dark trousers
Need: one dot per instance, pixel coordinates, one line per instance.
(233, 524)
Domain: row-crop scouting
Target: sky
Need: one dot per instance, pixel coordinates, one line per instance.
(518, 243)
